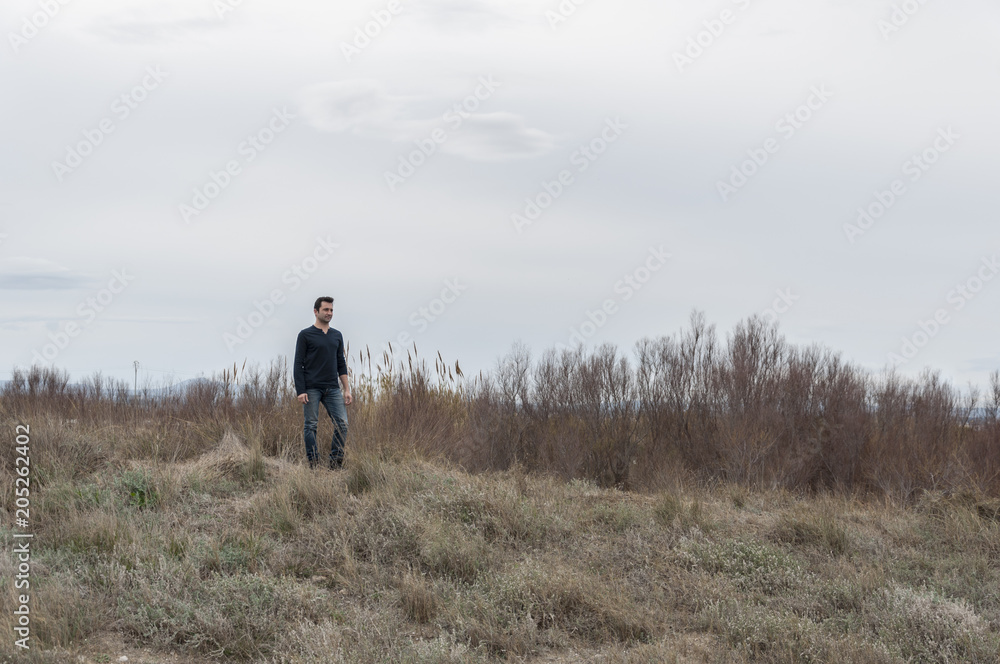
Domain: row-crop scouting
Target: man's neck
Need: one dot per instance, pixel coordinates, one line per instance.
(321, 325)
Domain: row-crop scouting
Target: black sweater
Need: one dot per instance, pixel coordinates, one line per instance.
(319, 359)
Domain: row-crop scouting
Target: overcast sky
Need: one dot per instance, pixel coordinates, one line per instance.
(180, 179)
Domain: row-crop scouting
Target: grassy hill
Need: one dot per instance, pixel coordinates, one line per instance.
(234, 556)
(747, 503)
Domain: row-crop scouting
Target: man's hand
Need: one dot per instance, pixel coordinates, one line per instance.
(303, 398)
(347, 398)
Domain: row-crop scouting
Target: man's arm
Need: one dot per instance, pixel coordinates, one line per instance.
(342, 371)
(298, 365)
(347, 390)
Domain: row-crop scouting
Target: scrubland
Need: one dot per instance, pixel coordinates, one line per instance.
(695, 500)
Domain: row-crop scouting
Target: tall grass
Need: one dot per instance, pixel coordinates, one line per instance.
(752, 410)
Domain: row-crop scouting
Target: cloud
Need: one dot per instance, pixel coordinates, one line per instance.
(356, 104)
(21, 322)
(23, 273)
(498, 136)
(364, 107)
(127, 22)
(982, 364)
(142, 32)
(481, 14)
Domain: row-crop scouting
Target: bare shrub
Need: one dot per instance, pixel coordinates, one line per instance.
(754, 411)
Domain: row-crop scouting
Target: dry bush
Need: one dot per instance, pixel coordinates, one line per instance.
(239, 617)
(538, 604)
(821, 530)
(418, 599)
(752, 410)
(931, 628)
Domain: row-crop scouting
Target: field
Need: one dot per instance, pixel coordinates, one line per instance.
(705, 502)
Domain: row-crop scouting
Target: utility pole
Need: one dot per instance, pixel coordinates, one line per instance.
(135, 382)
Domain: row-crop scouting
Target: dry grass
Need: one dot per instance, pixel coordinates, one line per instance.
(708, 504)
(431, 564)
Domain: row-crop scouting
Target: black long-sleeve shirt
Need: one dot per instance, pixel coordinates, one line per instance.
(319, 359)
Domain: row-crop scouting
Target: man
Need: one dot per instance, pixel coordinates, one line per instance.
(319, 362)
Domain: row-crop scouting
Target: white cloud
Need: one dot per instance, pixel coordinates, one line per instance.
(128, 22)
(498, 136)
(356, 104)
(482, 14)
(364, 107)
(24, 273)
(145, 31)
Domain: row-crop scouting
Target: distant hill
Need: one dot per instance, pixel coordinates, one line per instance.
(152, 391)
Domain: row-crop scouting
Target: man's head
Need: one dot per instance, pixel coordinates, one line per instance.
(324, 309)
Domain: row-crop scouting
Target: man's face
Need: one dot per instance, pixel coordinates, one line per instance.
(325, 312)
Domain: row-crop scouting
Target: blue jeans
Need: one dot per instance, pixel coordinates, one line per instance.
(333, 400)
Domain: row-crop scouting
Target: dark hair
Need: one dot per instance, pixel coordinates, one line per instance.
(320, 301)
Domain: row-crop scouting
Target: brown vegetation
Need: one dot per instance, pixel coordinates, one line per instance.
(700, 502)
